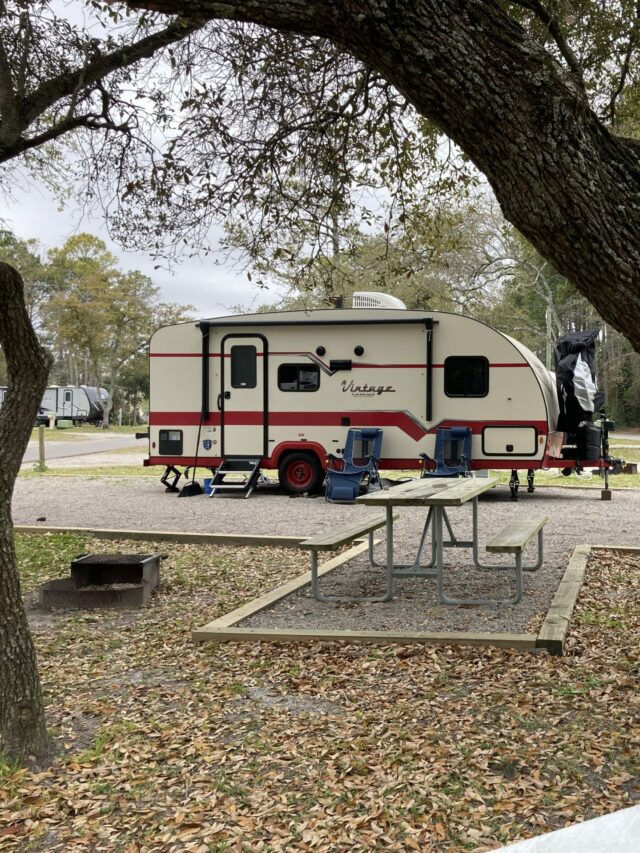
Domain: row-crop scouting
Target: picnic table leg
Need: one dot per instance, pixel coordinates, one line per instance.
(416, 563)
(417, 569)
(476, 556)
(314, 575)
(389, 594)
(438, 551)
(517, 596)
(386, 596)
(519, 580)
(453, 542)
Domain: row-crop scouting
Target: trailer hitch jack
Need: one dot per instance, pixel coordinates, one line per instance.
(170, 486)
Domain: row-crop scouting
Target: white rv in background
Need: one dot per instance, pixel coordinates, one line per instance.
(77, 403)
(284, 388)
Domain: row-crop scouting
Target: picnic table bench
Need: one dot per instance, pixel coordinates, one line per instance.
(331, 540)
(512, 539)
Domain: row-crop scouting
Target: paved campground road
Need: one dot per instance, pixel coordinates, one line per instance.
(82, 444)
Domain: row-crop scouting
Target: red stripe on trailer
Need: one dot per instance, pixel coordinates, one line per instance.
(410, 464)
(401, 420)
(398, 464)
(356, 365)
(374, 418)
(182, 419)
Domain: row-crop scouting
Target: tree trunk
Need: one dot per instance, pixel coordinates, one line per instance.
(110, 390)
(560, 176)
(22, 724)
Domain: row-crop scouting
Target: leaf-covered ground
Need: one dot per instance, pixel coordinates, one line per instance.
(165, 745)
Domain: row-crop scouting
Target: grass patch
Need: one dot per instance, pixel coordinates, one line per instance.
(83, 432)
(94, 471)
(542, 478)
(44, 557)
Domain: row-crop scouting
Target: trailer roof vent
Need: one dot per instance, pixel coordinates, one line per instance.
(370, 299)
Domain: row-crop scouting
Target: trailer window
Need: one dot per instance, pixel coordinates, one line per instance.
(298, 377)
(466, 376)
(244, 371)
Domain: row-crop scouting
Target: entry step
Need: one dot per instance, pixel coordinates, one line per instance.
(236, 476)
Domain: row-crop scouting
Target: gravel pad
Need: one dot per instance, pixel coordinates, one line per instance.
(575, 516)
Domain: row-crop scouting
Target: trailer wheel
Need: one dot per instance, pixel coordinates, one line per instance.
(300, 472)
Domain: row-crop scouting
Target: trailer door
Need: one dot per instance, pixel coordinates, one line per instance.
(243, 399)
(67, 403)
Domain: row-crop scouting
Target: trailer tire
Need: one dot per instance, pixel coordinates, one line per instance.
(300, 472)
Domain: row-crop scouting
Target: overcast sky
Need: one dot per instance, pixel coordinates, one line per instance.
(210, 284)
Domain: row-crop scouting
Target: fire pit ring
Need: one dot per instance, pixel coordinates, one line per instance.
(104, 580)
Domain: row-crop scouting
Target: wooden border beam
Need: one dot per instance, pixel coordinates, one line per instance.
(523, 642)
(554, 629)
(226, 628)
(190, 538)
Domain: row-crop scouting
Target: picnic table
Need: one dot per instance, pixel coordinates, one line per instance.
(437, 495)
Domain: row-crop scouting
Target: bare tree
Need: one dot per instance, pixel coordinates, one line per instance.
(54, 73)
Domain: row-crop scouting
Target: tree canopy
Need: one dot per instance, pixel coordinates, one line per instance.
(54, 68)
(536, 96)
(281, 137)
(281, 119)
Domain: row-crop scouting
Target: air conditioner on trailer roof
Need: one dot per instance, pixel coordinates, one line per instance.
(371, 299)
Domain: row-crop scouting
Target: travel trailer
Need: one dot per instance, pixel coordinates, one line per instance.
(281, 390)
(77, 403)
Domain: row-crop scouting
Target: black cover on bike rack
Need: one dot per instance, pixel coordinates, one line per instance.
(568, 351)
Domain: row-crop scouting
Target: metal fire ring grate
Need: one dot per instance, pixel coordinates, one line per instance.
(114, 559)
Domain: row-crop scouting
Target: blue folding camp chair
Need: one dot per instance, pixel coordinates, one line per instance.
(452, 455)
(357, 469)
